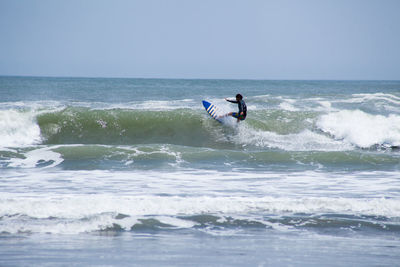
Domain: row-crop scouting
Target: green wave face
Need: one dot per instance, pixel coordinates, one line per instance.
(76, 125)
(125, 127)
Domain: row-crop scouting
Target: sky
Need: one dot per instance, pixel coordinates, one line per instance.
(207, 39)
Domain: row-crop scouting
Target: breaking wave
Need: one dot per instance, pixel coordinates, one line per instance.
(289, 130)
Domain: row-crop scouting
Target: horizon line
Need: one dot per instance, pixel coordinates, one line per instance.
(175, 78)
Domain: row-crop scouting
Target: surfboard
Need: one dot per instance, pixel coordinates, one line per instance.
(212, 110)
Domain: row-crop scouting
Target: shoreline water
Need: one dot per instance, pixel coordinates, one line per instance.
(188, 249)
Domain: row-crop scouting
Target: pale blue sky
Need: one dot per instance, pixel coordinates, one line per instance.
(249, 39)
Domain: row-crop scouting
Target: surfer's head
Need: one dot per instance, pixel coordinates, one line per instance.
(239, 97)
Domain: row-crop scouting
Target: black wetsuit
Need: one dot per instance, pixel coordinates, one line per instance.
(242, 108)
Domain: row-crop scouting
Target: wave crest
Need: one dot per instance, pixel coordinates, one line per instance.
(362, 129)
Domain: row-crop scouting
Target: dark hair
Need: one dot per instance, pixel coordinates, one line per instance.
(239, 96)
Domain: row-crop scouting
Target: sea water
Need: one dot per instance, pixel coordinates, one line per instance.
(135, 172)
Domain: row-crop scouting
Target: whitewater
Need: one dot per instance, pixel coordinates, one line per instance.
(135, 172)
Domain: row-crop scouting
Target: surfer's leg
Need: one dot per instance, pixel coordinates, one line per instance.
(226, 115)
(237, 116)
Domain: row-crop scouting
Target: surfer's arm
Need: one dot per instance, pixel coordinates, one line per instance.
(232, 101)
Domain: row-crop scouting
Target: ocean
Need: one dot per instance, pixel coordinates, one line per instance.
(134, 172)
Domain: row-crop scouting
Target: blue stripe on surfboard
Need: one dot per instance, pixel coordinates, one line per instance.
(211, 110)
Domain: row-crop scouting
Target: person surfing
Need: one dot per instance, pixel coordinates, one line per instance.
(241, 115)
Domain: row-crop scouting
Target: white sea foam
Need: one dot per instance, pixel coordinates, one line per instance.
(18, 128)
(74, 214)
(362, 129)
(161, 104)
(44, 156)
(325, 104)
(59, 201)
(288, 105)
(305, 140)
(361, 98)
(376, 101)
(32, 105)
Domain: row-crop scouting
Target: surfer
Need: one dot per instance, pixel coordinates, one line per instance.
(241, 115)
